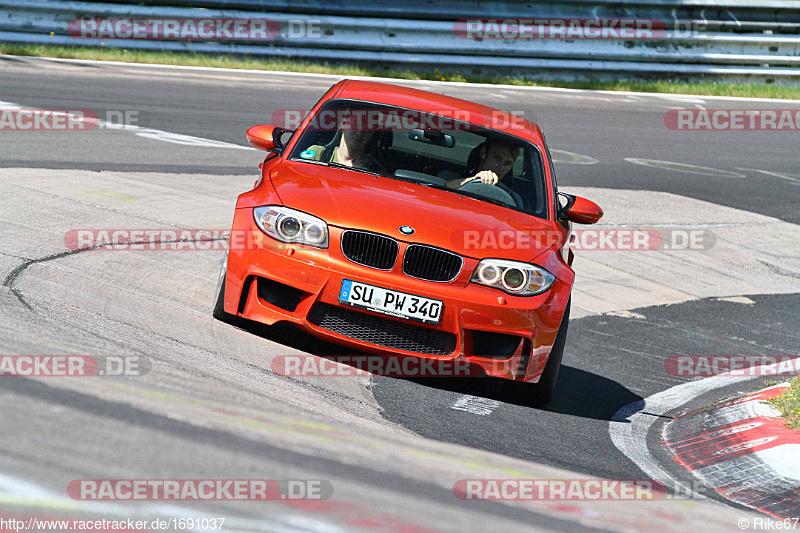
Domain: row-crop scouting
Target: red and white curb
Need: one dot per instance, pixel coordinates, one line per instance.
(743, 450)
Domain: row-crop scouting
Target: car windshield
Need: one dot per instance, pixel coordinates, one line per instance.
(438, 151)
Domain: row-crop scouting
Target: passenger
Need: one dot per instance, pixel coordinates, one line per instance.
(353, 149)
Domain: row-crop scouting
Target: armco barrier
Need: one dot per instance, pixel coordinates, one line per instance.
(730, 39)
(730, 14)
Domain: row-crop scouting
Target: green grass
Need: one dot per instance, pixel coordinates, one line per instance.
(788, 403)
(764, 385)
(227, 61)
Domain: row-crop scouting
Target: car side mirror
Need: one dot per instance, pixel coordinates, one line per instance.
(268, 138)
(577, 209)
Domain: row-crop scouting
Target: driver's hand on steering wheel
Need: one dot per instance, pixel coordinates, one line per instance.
(486, 176)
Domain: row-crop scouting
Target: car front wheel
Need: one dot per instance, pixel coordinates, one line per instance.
(539, 394)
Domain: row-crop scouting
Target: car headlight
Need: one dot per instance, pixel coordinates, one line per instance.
(513, 277)
(290, 225)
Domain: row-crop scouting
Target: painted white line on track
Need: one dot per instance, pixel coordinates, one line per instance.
(629, 426)
(337, 77)
(475, 405)
(147, 133)
(562, 156)
(781, 460)
(626, 314)
(794, 180)
(744, 300)
(685, 168)
(177, 138)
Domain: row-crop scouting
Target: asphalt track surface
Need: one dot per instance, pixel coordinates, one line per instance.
(211, 408)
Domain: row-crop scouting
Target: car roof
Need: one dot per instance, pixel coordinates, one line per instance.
(440, 104)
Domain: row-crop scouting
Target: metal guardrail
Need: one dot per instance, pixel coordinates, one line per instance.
(731, 13)
(738, 41)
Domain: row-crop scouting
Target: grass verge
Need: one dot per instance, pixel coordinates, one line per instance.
(226, 61)
(788, 403)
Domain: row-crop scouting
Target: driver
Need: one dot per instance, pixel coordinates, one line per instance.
(494, 162)
(352, 150)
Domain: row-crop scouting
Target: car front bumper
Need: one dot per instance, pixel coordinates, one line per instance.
(507, 336)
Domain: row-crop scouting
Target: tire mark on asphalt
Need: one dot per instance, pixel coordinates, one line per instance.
(14, 274)
(780, 271)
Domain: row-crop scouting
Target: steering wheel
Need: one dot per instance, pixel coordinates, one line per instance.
(489, 191)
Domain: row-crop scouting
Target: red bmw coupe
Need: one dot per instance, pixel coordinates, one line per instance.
(401, 222)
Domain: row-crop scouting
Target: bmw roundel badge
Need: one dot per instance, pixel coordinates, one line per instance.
(406, 230)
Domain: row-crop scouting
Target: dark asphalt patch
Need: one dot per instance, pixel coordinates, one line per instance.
(609, 362)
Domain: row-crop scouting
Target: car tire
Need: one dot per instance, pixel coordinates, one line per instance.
(219, 295)
(539, 394)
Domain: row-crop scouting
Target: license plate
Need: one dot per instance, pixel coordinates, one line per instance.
(389, 302)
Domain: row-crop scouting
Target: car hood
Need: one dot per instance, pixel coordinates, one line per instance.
(355, 200)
